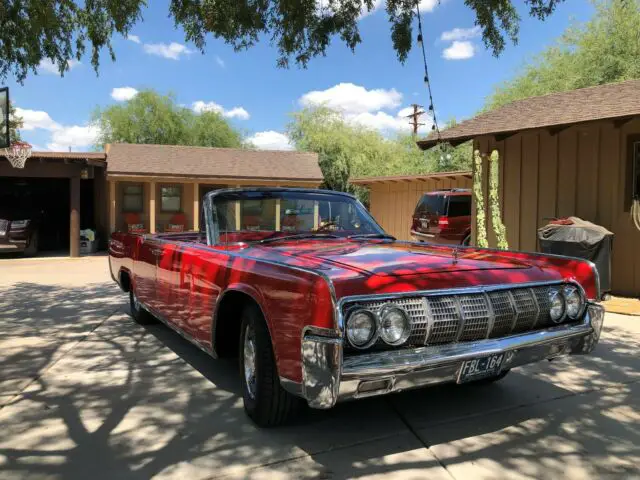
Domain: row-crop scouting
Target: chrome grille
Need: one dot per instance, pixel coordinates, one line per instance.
(504, 313)
(3, 227)
(443, 311)
(472, 316)
(475, 312)
(526, 309)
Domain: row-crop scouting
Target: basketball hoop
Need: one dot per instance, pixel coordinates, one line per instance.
(18, 153)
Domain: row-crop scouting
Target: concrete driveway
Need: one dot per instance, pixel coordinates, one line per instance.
(86, 393)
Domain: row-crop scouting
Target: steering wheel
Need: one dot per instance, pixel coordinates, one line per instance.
(326, 227)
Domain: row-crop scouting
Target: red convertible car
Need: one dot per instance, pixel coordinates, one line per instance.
(331, 308)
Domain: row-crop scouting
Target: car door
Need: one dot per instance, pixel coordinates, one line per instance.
(144, 270)
(168, 279)
(202, 284)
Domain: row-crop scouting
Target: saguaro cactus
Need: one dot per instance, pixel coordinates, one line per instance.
(494, 201)
(481, 221)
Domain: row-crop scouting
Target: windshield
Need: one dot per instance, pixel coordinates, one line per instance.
(253, 216)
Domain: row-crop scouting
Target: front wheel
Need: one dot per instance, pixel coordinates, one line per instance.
(265, 401)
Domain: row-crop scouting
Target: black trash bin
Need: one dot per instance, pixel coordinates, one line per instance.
(575, 237)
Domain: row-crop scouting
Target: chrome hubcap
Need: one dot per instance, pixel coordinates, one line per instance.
(249, 355)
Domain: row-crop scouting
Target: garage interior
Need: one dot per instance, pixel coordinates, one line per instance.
(62, 193)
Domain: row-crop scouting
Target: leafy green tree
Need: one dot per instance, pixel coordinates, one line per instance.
(156, 119)
(62, 30)
(15, 124)
(603, 50)
(347, 150)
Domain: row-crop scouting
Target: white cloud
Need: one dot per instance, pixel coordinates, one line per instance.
(122, 94)
(220, 62)
(172, 50)
(459, 51)
(352, 99)
(133, 38)
(236, 112)
(74, 136)
(62, 137)
(270, 140)
(36, 119)
(47, 66)
(460, 34)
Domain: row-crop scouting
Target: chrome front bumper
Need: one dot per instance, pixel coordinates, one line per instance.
(328, 377)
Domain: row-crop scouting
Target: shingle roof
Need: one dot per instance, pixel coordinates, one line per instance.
(184, 161)
(610, 101)
(408, 178)
(71, 155)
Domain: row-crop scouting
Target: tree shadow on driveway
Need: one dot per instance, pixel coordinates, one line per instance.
(133, 402)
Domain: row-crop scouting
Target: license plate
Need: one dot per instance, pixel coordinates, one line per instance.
(478, 368)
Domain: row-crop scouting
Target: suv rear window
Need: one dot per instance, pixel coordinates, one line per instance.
(459, 205)
(434, 204)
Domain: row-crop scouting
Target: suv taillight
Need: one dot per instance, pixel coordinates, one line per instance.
(443, 222)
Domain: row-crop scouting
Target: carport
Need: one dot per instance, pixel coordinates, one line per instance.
(67, 192)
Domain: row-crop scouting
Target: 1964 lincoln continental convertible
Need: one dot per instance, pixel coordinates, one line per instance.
(320, 305)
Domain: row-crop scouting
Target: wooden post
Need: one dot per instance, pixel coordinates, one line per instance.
(316, 215)
(74, 224)
(238, 213)
(277, 214)
(112, 206)
(196, 207)
(152, 207)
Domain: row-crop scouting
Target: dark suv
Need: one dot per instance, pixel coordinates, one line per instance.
(18, 231)
(443, 216)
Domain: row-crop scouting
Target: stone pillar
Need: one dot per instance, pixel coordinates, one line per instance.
(74, 230)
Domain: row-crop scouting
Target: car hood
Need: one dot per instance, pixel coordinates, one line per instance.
(388, 259)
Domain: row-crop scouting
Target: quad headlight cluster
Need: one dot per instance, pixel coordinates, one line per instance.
(365, 327)
(565, 302)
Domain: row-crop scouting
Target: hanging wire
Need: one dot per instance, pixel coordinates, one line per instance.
(427, 81)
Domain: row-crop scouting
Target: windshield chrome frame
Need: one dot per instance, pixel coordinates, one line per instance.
(213, 232)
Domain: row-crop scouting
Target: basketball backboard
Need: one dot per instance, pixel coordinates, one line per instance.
(4, 117)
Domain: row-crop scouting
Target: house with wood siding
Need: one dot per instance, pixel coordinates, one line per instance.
(566, 154)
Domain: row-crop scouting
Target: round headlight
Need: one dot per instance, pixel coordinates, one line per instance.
(557, 305)
(361, 328)
(394, 325)
(573, 300)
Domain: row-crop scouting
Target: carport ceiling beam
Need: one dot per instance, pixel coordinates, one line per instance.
(620, 122)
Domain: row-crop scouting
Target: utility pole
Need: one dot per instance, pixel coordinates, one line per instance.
(415, 116)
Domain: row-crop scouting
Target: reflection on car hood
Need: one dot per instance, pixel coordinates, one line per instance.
(380, 258)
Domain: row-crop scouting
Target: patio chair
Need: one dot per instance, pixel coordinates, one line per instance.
(177, 223)
(134, 223)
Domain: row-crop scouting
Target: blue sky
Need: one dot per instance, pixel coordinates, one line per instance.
(369, 86)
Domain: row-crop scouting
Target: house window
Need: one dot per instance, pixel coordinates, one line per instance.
(171, 198)
(132, 198)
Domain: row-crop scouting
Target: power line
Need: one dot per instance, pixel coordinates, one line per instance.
(415, 116)
(427, 81)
